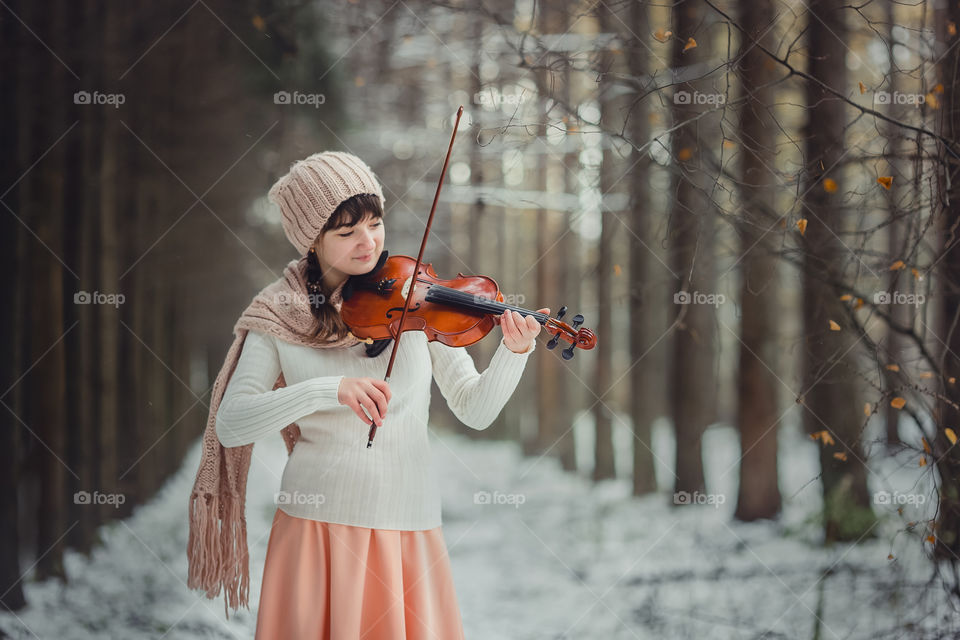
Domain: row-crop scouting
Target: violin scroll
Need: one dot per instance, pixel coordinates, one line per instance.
(577, 337)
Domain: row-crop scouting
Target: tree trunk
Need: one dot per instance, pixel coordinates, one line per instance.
(830, 393)
(896, 345)
(10, 232)
(947, 529)
(645, 380)
(757, 386)
(110, 251)
(47, 380)
(690, 238)
(604, 467)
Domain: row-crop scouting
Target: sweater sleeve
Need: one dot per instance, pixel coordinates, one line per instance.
(476, 398)
(251, 409)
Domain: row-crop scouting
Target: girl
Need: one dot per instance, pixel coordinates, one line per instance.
(356, 547)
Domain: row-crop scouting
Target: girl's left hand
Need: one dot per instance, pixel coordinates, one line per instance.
(520, 332)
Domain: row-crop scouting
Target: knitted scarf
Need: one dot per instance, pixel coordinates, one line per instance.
(217, 547)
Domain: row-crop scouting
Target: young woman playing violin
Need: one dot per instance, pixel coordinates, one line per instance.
(356, 546)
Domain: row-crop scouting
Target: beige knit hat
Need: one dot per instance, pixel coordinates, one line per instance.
(313, 189)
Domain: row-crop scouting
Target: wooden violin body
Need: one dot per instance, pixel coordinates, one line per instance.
(456, 312)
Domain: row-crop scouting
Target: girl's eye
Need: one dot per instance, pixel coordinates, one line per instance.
(348, 233)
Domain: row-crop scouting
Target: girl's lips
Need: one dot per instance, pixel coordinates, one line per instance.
(364, 258)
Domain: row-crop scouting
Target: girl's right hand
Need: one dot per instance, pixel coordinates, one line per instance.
(365, 393)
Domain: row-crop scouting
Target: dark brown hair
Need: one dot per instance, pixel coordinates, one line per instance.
(348, 213)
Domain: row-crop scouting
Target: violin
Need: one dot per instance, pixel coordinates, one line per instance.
(402, 294)
(456, 312)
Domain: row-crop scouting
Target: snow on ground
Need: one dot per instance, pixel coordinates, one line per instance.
(544, 554)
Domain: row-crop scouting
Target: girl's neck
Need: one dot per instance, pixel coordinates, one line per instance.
(333, 278)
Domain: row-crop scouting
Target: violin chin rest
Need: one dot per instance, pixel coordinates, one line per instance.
(350, 285)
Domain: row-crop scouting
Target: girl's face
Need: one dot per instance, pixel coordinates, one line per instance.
(351, 250)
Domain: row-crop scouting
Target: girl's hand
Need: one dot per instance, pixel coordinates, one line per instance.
(520, 332)
(365, 393)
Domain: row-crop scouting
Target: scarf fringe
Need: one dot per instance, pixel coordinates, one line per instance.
(217, 552)
(217, 546)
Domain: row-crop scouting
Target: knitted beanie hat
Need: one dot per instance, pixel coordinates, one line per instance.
(313, 189)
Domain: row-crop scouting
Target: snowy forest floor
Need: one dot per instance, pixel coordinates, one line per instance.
(574, 560)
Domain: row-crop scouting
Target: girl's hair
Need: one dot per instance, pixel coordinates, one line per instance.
(351, 211)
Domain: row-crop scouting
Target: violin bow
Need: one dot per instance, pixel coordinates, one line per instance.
(416, 268)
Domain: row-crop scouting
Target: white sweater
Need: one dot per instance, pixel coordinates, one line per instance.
(331, 475)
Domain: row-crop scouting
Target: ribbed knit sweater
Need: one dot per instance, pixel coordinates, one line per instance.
(331, 475)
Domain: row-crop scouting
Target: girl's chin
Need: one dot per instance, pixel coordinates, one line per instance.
(358, 266)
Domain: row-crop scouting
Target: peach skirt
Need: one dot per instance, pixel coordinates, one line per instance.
(328, 581)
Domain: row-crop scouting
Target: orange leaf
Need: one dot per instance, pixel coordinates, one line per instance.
(897, 266)
(886, 181)
(829, 185)
(802, 225)
(691, 44)
(931, 540)
(898, 403)
(923, 462)
(684, 154)
(889, 556)
(834, 326)
(951, 436)
(866, 409)
(840, 455)
(951, 379)
(858, 303)
(617, 270)
(926, 375)
(952, 28)
(823, 436)
(893, 367)
(926, 445)
(729, 144)
(863, 88)
(938, 88)
(932, 101)
(846, 297)
(916, 274)
(258, 23)
(661, 35)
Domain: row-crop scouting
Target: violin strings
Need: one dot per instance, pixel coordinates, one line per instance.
(441, 293)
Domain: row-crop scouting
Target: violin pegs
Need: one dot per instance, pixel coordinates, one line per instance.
(562, 311)
(577, 320)
(553, 341)
(568, 352)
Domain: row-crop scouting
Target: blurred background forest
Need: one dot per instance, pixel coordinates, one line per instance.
(751, 203)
